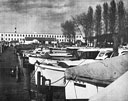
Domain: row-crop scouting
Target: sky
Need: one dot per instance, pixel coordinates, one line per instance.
(42, 16)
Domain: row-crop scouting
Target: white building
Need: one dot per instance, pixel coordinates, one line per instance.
(11, 36)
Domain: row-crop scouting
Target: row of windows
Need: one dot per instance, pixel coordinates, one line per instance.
(19, 39)
(31, 35)
(11, 39)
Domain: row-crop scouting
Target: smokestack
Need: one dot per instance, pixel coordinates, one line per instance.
(15, 30)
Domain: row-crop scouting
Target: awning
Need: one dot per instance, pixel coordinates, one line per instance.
(99, 73)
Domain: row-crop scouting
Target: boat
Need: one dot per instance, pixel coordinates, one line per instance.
(87, 55)
(53, 56)
(116, 91)
(52, 72)
(59, 54)
(98, 74)
(86, 80)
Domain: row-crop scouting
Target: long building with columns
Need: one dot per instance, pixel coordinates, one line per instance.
(12, 36)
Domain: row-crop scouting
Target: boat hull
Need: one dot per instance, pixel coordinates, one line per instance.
(56, 75)
(73, 89)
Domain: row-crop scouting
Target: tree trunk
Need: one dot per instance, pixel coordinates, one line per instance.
(115, 44)
(121, 40)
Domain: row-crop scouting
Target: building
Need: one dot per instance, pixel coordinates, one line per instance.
(20, 37)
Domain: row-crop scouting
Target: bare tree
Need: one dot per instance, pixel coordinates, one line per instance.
(68, 29)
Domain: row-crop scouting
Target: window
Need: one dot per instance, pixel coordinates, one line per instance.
(109, 54)
(89, 54)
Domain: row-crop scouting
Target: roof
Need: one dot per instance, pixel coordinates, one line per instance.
(39, 39)
(103, 37)
(14, 41)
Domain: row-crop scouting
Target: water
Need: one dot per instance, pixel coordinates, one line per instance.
(10, 89)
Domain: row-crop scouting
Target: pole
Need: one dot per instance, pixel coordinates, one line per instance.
(38, 85)
(26, 72)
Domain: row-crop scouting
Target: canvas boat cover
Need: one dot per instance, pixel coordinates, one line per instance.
(101, 72)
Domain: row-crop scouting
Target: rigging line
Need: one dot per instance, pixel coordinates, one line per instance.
(75, 91)
(35, 70)
(67, 83)
(81, 63)
(34, 73)
(57, 80)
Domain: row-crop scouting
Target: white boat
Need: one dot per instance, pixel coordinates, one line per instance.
(59, 53)
(116, 91)
(96, 75)
(33, 60)
(76, 87)
(88, 55)
(73, 89)
(54, 73)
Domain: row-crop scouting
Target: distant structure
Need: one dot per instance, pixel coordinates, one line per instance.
(47, 37)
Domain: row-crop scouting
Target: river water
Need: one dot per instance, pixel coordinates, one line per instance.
(10, 89)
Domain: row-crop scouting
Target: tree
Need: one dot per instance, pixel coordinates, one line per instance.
(76, 23)
(90, 22)
(68, 29)
(112, 26)
(126, 28)
(98, 28)
(112, 17)
(121, 21)
(105, 17)
(86, 22)
(82, 22)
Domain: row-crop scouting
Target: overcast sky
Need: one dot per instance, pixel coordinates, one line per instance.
(41, 16)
